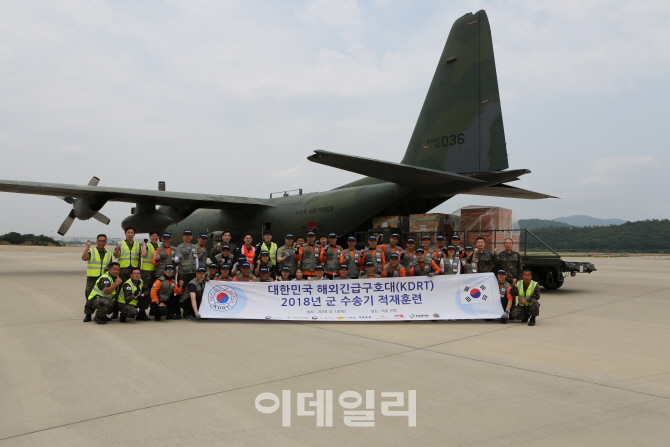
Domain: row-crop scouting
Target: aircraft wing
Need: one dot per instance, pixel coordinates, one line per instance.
(502, 190)
(390, 172)
(111, 194)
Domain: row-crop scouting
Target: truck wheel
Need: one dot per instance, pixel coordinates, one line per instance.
(550, 280)
(561, 280)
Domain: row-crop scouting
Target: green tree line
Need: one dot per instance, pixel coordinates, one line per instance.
(15, 238)
(645, 236)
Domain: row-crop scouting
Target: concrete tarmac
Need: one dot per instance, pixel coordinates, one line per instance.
(595, 370)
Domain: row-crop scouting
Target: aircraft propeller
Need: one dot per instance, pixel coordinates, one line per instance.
(81, 210)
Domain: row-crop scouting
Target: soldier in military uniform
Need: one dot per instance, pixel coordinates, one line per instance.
(191, 303)
(131, 296)
(507, 294)
(350, 257)
(373, 254)
(101, 298)
(510, 261)
(485, 258)
(529, 293)
(330, 256)
(394, 269)
(286, 255)
(226, 236)
(343, 272)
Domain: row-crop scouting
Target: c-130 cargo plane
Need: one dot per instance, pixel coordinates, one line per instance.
(457, 147)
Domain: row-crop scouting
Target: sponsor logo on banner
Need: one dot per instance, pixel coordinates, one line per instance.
(221, 298)
(268, 318)
(340, 318)
(436, 315)
(315, 317)
(476, 293)
(399, 316)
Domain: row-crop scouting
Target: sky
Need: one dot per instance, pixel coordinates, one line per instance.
(231, 97)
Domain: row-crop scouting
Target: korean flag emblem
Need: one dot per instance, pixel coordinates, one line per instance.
(477, 293)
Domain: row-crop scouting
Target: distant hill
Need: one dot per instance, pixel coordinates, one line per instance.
(532, 224)
(585, 221)
(23, 239)
(645, 236)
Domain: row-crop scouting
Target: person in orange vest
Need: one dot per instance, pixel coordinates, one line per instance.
(455, 241)
(319, 274)
(164, 301)
(394, 269)
(247, 249)
(224, 274)
(350, 257)
(343, 272)
(392, 247)
(284, 273)
(264, 275)
(308, 254)
(244, 275)
(373, 254)
(424, 266)
(330, 256)
(370, 271)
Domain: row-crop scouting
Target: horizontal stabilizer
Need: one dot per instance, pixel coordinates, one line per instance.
(398, 173)
(511, 192)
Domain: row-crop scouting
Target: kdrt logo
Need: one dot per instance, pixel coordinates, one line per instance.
(221, 298)
(475, 293)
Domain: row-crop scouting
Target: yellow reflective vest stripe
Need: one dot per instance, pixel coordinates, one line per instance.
(135, 290)
(129, 257)
(524, 294)
(147, 261)
(95, 292)
(272, 250)
(96, 266)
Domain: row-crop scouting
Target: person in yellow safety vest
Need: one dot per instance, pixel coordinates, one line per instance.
(148, 268)
(101, 298)
(529, 294)
(127, 254)
(131, 297)
(97, 261)
(266, 245)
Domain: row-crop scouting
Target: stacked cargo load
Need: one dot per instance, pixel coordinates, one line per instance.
(432, 225)
(494, 224)
(399, 222)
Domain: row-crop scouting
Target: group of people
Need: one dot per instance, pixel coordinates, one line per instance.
(169, 281)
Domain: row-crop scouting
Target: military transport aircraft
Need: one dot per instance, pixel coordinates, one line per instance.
(458, 147)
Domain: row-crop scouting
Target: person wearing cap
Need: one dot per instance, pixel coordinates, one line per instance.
(191, 303)
(186, 258)
(247, 250)
(409, 259)
(201, 251)
(319, 274)
(370, 271)
(224, 273)
(427, 246)
(308, 255)
(469, 261)
(213, 272)
(164, 301)
(510, 261)
(269, 246)
(226, 236)
(286, 255)
(97, 262)
(264, 275)
(350, 257)
(330, 256)
(102, 296)
(131, 299)
(164, 256)
(455, 241)
(452, 264)
(485, 258)
(149, 247)
(528, 293)
(394, 269)
(343, 272)
(424, 265)
(264, 261)
(392, 247)
(507, 294)
(373, 254)
(245, 275)
(299, 276)
(225, 256)
(284, 273)
(440, 249)
(238, 265)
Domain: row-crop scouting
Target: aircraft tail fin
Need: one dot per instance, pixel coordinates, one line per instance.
(460, 127)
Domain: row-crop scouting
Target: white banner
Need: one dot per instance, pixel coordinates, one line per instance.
(451, 297)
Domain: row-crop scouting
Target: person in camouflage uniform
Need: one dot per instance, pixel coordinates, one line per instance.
(101, 298)
(527, 305)
(486, 259)
(510, 261)
(132, 296)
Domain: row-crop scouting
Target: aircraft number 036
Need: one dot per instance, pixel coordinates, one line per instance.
(447, 140)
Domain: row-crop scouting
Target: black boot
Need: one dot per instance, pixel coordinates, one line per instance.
(525, 318)
(532, 321)
(115, 315)
(152, 310)
(122, 319)
(157, 317)
(99, 319)
(87, 318)
(142, 316)
(503, 321)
